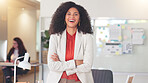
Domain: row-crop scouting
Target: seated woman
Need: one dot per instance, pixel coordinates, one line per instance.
(17, 50)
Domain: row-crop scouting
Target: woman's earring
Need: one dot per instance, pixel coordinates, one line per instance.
(64, 23)
(79, 23)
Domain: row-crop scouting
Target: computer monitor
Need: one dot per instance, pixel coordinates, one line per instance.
(3, 50)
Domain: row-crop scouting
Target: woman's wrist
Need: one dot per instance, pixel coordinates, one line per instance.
(75, 64)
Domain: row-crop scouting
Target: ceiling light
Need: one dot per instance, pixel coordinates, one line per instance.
(23, 8)
(38, 0)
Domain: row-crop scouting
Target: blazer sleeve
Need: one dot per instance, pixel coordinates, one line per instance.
(88, 57)
(57, 65)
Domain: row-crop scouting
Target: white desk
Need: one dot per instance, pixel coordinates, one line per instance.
(6, 64)
(32, 64)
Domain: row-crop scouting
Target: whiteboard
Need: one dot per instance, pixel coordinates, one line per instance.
(137, 61)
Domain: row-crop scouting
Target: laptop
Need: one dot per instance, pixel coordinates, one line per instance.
(3, 50)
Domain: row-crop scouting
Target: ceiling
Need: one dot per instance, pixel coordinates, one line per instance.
(27, 4)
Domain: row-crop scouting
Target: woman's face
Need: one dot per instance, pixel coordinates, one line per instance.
(72, 17)
(15, 44)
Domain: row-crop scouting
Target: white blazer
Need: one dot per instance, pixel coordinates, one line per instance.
(83, 51)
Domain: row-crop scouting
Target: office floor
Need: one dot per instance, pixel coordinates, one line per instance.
(29, 77)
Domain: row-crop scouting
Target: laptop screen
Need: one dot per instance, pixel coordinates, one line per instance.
(3, 50)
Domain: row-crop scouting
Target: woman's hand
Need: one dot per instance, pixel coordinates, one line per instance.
(17, 62)
(55, 57)
(78, 62)
(7, 61)
(12, 61)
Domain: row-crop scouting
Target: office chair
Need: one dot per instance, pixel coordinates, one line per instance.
(102, 76)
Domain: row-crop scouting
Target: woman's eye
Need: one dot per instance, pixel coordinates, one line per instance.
(76, 14)
(68, 13)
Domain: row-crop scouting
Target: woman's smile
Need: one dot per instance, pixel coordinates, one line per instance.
(72, 21)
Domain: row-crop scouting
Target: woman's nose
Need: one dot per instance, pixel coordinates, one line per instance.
(71, 15)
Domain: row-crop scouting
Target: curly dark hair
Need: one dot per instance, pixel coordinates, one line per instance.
(57, 23)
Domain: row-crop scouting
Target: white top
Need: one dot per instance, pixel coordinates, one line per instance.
(14, 55)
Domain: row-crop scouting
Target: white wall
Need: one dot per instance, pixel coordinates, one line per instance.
(22, 23)
(3, 20)
(126, 9)
(130, 9)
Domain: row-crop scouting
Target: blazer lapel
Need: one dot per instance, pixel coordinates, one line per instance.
(63, 44)
(77, 44)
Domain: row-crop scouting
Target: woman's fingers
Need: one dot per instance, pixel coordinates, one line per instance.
(54, 58)
(79, 62)
(55, 54)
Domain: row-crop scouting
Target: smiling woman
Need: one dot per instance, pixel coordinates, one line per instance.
(58, 24)
(70, 53)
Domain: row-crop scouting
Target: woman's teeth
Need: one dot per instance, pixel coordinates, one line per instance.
(71, 20)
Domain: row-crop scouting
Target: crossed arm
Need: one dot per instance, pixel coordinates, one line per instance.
(71, 66)
(55, 57)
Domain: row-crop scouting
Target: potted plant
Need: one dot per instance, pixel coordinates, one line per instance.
(45, 45)
(45, 39)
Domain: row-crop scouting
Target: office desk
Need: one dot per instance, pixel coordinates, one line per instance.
(6, 64)
(35, 64)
